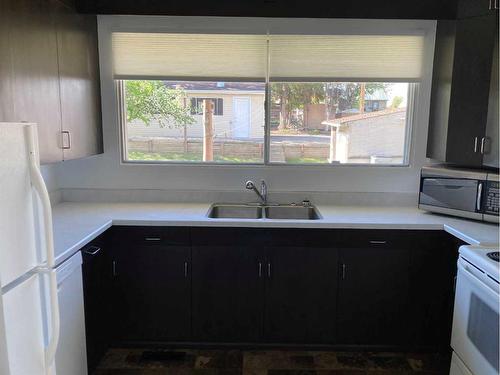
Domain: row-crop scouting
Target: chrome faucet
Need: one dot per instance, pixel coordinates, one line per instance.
(262, 194)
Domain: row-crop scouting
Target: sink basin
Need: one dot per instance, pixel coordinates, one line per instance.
(235, 211)
(292, 212)
(250, 211)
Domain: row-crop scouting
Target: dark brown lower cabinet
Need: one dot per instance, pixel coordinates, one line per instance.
(97, 292)
(152, 292)
(228, 286)
(301, 295)
(373, 296)
(433, 271)
(366, 289)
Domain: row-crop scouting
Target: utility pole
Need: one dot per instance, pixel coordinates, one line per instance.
(362, 90)
(208, 131)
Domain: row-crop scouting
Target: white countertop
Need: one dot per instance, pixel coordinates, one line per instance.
(76, 224)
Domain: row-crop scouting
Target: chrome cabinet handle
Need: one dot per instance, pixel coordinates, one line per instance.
(152, 238)
(343, 271)
(260, 270)
(490, 6)
(376, 242)
(485, 145)
(92, 250)
(479, 194)
(114, 269)
(69, 139)
(475, 144)
(185, 269)
(269, 269)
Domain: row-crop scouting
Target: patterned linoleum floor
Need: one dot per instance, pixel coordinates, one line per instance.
(268, 362)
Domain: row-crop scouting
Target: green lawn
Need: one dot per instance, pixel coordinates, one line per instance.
(306, 160)
(161, 156)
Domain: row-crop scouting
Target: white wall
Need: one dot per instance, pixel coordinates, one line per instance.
(107, 171)
(49, 173)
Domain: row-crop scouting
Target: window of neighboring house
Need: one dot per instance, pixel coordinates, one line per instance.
(197, 106)
(331, 99)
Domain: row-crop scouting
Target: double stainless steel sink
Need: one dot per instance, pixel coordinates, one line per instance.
(254, 211)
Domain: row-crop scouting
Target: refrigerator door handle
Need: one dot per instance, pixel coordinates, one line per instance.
(51, 349)
(39, 186)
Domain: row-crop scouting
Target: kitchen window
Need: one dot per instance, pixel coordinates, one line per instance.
(197, 106)
(267, 99)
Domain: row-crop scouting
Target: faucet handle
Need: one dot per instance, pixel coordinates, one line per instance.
(249, 185)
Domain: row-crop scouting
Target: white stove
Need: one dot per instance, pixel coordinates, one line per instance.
(484, 258)
(475, 335)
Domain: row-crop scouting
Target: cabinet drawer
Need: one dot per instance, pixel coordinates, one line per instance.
(146, 236)
(382, 238)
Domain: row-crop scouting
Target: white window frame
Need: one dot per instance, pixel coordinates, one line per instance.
(111, 90)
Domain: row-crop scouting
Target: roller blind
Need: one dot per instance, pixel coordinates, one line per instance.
(168, 55)
(348, 57)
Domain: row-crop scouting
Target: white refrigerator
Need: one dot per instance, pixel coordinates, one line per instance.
(41, 304)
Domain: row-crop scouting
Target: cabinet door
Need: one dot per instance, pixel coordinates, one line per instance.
(97, 282)
(491, 145)
(473, 8)
(301, 294)
(34, 83)
(432, 274)
(373, 296)
(152, 292)
(227, 286)
(470, 89)
(79, 83)
(442, 75)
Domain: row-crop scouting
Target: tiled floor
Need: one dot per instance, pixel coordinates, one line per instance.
(268, 362)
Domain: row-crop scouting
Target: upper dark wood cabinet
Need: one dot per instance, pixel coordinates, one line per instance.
(29, 73)
(473, 8)
(49, 75)
(491, 156)
(461, 90)
(78, 82)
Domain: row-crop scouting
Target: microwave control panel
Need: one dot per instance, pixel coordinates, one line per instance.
(490, 198)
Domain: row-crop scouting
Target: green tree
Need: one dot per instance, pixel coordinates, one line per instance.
(292, 96)
(341, 96)
(148, 101)
(396, 101)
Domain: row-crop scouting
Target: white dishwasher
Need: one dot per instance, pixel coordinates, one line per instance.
(71, 357)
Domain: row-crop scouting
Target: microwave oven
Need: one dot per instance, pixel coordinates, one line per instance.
(459, 192)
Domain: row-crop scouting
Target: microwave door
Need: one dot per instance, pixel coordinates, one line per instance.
(456, 194)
